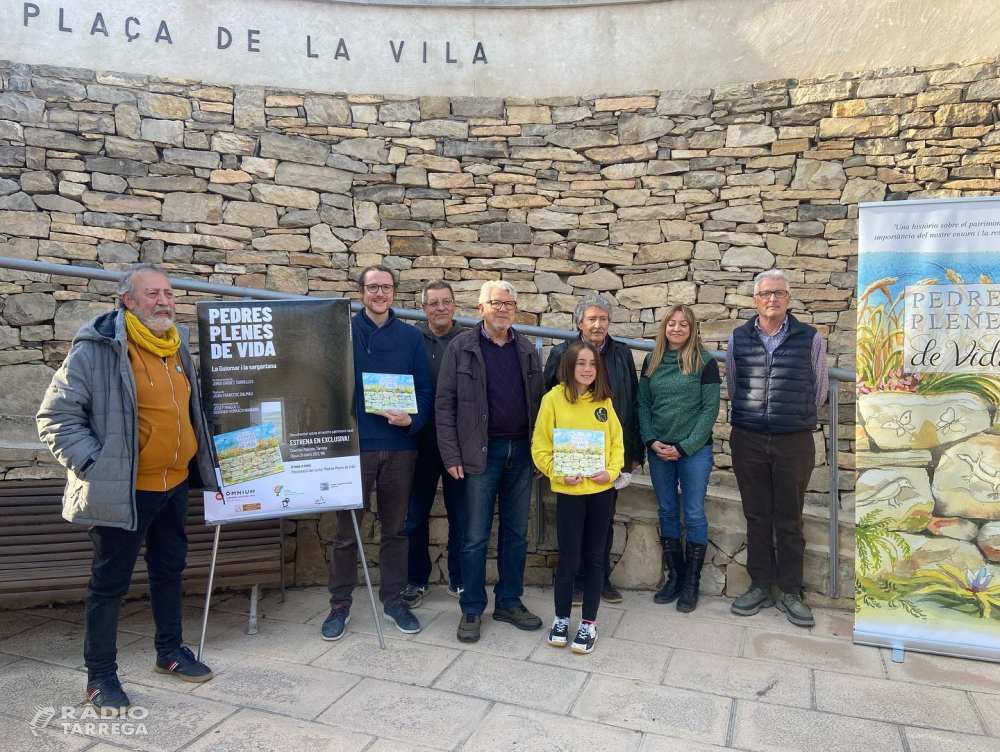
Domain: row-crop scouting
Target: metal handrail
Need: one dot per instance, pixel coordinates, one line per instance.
(836, 375)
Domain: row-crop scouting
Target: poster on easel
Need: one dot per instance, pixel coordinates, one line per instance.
(927, 502)
(278, 396)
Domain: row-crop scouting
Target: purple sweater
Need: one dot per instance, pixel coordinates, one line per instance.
(508, 406)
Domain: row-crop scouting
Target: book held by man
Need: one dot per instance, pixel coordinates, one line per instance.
(389, 391)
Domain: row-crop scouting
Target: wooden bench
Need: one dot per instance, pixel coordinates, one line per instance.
(44, 558)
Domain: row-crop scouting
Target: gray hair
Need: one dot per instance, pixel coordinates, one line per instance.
(495, 285)
(125, 283)
(591, 300)
(771, 274)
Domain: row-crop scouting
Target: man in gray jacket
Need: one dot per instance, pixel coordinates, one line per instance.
(123, 415)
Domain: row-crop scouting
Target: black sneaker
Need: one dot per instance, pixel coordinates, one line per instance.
(182, 664)
(413, 596)
(585, 638)
(399, 614)
(469, 627)
(610, 594)
(519, 616)
(105, 693)
(333, 627)
(559, 634)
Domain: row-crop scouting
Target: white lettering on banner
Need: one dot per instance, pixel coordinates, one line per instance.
(253, 340)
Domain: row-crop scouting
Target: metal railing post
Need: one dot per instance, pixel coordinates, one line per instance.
(834, 488)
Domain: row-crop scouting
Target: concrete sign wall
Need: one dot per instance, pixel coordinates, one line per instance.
(589, 49)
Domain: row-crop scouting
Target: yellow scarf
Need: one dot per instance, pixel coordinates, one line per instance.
(162, 347)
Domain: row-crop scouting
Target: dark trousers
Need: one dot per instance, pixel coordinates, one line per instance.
(582, 572)
(160, 520)
(772, 471)
(581, 530)
(390, 472)
(429, 470)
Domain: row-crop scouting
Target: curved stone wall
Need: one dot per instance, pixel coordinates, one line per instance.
(653, 199)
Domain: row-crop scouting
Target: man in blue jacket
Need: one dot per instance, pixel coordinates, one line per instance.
(382, 344)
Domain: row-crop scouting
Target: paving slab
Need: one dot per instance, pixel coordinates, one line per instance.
(611, 656)
(16, 734)
(944, 671)
(497, 638)
(880, 699)
(6, 658)
(405, 713)
(529, 685)
(255, 730)
(54, 642)
(656, 709)
(740, 677)
(775, 728)
(300, 605)
(174, 720)
(675, 631)
(654, 743)
(818, 652)
(989, 710)
(392, 745)
(283, 640)
(27, 684)
(278, 686)
(141, 622)
(514, 728)
(403, 661)
(932, 740)
(14, 622)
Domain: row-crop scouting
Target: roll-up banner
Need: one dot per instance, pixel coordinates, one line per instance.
(927, 503)
(278, 394)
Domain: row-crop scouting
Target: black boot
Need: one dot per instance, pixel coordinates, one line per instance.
(673, 563)
(692, 577)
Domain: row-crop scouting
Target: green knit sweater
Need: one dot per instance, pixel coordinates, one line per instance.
(678, 409)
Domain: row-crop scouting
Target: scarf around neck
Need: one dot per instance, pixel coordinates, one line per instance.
(162, 347)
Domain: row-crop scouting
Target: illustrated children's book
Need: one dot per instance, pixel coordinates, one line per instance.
(248, 453)
(389, 391)
(577, 452)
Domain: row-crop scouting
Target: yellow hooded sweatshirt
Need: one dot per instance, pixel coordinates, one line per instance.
(583, 415)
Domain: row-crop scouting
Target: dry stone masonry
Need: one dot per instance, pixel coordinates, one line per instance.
(653, 198)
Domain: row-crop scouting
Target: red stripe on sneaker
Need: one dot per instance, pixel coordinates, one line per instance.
(173, 665)
(95, 692)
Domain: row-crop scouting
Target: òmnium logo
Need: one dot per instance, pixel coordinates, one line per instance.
(88, 720)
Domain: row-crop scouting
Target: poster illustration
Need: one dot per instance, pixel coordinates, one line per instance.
(577, 452)
(927, 508)
(389, 391)
(277, 382)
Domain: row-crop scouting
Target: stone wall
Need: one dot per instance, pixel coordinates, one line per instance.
(653, 198)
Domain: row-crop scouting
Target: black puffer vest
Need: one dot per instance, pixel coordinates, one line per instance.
(779, 399)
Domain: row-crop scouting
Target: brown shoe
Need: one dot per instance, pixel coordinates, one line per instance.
(468, 628)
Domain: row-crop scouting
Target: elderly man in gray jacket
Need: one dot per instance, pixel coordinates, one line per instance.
(123, 416)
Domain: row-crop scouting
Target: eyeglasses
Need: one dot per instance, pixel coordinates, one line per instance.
(443, 303)
(507, 305)
(375, 288)
(776, 294)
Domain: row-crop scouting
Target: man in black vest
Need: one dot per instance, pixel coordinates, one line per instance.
(776, 375)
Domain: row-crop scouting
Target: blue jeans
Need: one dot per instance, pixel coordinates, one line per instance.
(161, 516)
(692, 472)
(506, 482)
(429, 470)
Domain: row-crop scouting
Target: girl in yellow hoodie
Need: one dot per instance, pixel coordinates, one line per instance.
(581, 402)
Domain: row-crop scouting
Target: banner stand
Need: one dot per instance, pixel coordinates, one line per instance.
(253, 596)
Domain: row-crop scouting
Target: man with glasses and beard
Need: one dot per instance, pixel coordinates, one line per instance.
(383, 344)
(776, 375)
(488, 395)
(123, 415)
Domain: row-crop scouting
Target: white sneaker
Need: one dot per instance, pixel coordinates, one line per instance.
(585, 638)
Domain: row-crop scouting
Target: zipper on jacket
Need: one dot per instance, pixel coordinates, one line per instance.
(177, 412)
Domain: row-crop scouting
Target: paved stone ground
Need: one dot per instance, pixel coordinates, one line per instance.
(658, 681)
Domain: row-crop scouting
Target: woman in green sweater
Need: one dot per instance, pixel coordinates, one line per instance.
(678, 404)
